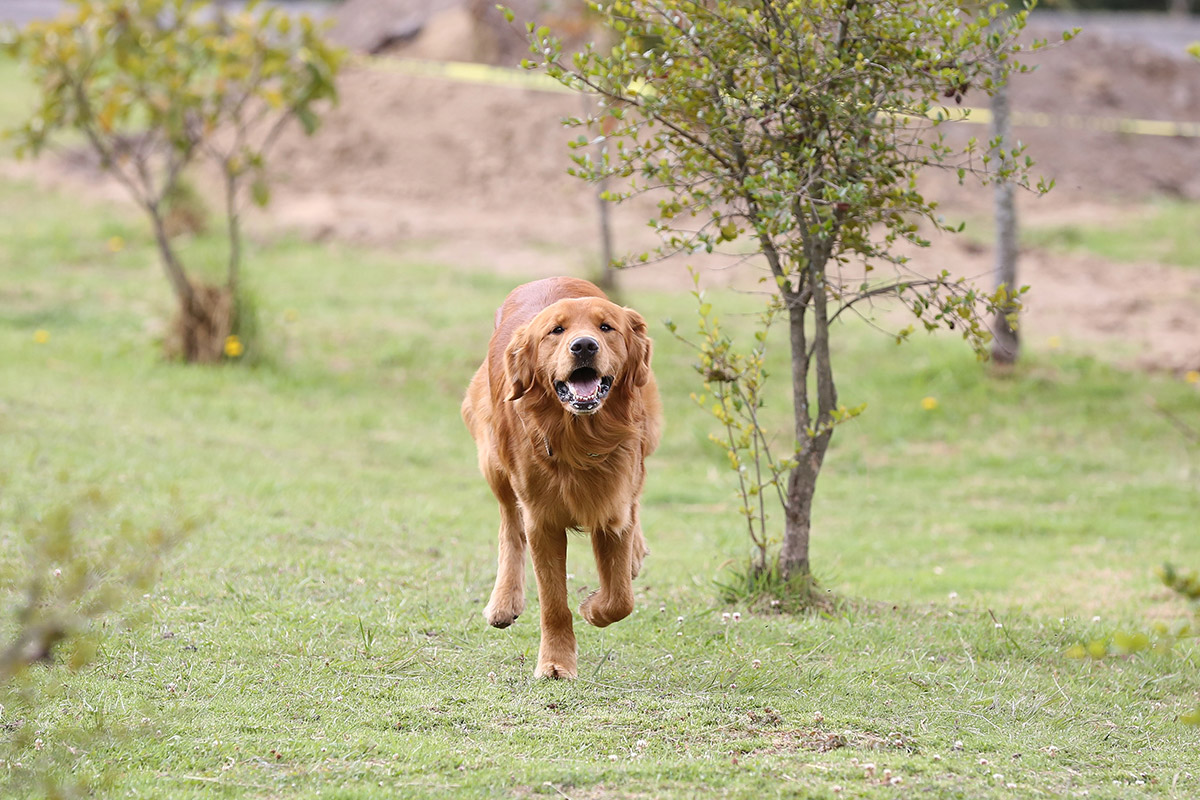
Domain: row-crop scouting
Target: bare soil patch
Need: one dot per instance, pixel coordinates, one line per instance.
(477, 176)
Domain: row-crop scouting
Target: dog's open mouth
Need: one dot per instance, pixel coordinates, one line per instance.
(584, 390)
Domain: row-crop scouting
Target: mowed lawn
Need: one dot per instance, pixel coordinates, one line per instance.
(320, 634)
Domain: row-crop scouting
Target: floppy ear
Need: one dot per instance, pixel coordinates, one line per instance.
(637, 343)
(519, 363)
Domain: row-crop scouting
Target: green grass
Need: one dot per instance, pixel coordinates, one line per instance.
(1163, 233)
(321, 634)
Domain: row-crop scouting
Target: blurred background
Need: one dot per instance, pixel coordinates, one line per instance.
(449, 168)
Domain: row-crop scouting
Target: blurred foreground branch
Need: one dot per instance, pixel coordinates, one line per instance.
(75, 578)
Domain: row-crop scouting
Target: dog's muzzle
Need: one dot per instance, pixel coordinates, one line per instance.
(584, 390)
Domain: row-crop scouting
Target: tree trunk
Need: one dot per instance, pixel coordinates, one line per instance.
(606, 279)
(175, 274)
(205, 315)
(198, 334)
(1006, 344)
(812, 441)
(235, 231)
(793, 556)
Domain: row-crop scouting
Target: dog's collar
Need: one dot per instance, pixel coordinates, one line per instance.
(550, 451)
(546, 440)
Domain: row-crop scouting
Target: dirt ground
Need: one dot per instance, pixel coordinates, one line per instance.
(476, 175)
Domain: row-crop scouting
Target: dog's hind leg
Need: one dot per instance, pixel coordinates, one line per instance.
(640, 548)
(508, 595)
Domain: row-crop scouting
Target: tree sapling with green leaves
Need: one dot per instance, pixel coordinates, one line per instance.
(799, 128)
(155, 87)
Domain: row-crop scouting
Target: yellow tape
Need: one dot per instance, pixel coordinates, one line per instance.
(1138, 127)
(466, 72)
(1036, 119)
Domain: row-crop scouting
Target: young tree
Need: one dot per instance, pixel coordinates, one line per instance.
(158, 85)
(802, 126)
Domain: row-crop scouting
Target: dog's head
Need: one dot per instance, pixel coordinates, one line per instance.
(579, 350)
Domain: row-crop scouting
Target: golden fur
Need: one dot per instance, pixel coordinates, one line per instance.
(554, 467)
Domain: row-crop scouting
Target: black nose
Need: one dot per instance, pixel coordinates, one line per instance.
(585, 347)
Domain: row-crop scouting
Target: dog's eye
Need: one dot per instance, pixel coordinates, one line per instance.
(604, 326)
(557, 330)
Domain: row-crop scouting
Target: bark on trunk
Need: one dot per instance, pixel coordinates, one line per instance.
(793, 556)
(205, 316)
(235, 232)
(607, 279)
(175, 274)
(1006, 344)
(198, 334)
(812, 436)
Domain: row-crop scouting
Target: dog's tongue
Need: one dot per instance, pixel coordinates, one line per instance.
(585, 386)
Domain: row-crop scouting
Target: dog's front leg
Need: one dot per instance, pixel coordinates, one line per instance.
(556, 654)
(508, 595)
(614, 551)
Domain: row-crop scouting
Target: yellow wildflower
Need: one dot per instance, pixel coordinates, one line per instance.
(41, 336)
(929, 403)
(116, 244)
(233, 346)
(1192, 376)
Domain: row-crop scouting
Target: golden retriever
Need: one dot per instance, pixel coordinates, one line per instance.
(564, 411)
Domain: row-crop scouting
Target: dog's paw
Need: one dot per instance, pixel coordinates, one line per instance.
(602, 611)
(555, 670)
(501, 612)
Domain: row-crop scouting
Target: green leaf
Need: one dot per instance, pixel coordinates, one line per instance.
(308, 120)
(260, 192)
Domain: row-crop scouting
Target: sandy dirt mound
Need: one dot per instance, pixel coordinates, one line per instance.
(1098, 76)
(471, 174)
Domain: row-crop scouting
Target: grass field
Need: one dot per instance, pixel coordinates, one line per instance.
(1162, 232)
(321, 635)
